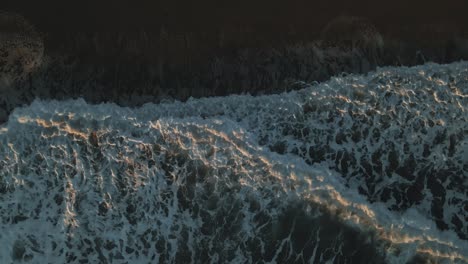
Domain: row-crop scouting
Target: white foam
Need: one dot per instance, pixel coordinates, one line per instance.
(48, 152)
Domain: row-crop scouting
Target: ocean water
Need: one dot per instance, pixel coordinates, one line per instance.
(360, 169)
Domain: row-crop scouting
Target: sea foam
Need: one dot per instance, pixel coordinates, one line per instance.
(365, 168)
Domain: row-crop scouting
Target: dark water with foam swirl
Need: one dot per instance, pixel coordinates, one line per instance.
(362, 169)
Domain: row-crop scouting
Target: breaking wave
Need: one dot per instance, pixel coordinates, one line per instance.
(358, 169)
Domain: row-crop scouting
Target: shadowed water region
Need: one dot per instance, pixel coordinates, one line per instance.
(136, 60)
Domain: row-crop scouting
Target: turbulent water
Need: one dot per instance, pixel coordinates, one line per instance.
(360, 169)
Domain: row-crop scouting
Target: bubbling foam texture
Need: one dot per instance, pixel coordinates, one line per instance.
(279, 178)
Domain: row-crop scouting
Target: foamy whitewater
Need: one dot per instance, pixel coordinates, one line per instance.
(361, 169)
